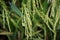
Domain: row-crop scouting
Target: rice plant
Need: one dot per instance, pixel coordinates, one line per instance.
(29, 19)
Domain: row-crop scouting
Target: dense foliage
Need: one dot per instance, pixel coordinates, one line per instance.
(30, 19)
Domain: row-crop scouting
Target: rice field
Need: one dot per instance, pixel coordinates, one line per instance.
(29, 19)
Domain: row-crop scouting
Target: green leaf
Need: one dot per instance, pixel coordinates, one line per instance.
(15, 9)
